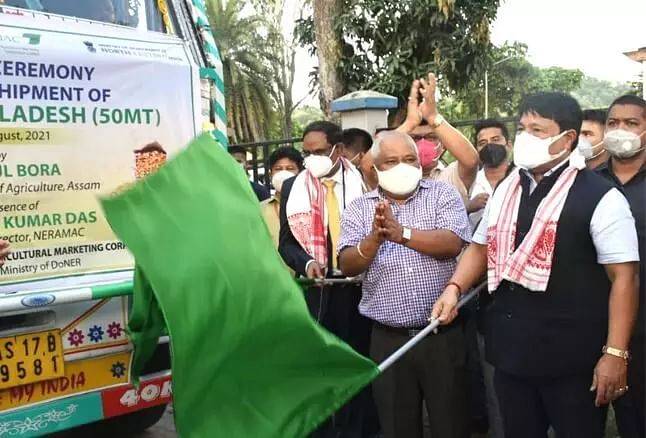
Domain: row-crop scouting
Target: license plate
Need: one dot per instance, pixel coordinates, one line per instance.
(31, 358)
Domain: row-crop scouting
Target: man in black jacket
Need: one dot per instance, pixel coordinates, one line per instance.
(310, 221)
(559, 246)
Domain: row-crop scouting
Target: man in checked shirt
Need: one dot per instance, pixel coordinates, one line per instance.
(405, 237)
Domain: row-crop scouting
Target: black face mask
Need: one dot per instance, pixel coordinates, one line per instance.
(493, 155)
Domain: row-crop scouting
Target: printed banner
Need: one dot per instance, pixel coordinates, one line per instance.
(82, 116)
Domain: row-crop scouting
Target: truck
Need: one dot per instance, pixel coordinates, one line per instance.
(94, 95)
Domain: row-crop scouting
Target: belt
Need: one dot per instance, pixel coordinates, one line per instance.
(414, 331)
(405, 331)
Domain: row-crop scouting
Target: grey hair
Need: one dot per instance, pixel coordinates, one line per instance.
(375, 150)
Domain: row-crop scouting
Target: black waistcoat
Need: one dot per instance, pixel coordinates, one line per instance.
(559, 331)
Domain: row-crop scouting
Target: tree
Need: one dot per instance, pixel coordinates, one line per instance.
(511, 76)
(304, 116)
(280, 51)
(329, 44)
(246, 75)
(597, 93)
(382, 45)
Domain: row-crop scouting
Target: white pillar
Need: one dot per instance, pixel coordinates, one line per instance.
(365, 109)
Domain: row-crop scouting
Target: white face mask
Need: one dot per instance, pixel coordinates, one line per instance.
(531, 152)
(587, 150)
(401, 179)
(622, 144)
(279, 178)
(319, 165)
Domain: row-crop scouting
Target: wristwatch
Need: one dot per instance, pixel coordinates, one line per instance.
(439, 119)
(407, 233)
(624, 354)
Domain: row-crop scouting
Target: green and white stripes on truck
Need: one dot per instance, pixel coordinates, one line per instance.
(214, 71)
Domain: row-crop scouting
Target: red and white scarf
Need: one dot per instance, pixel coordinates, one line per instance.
(530, 264)
(306, 212)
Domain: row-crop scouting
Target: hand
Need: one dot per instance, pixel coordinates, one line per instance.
(390, 229)
(609, 379)
(477, 203)
(446, 307)
(377, 223)
(4, 251)
(413, 116)
(428, 108)
(314, 270)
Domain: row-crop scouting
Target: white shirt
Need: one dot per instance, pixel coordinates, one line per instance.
(612, 228)
(353, 187)
(480, 185)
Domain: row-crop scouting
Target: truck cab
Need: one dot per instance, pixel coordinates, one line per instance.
(94, 96)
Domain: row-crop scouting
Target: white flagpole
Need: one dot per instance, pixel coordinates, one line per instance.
(421, 335)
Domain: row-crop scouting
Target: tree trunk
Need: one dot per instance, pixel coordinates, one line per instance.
(328, 48)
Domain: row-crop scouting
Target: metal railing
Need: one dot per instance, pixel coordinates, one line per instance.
(266, 148)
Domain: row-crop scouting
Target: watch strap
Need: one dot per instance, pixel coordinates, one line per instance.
(407, 233)
(439, 119)
(624, 354)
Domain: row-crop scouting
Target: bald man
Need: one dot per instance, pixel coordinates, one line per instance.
(404, 237)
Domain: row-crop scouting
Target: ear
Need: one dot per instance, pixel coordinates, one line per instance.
(571, 137)
(338, 151)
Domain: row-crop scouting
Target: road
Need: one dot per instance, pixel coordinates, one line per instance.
(165, 428)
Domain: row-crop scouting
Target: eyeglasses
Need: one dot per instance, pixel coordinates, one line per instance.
(320, 152)
(429, 137)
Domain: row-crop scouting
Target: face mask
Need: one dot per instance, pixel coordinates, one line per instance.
(493, 155)
(587, 150)
(354, 160)
(400, 180)
(429, 152)
(319, 165)
(531, 152)
(622, 144)
(279, 178)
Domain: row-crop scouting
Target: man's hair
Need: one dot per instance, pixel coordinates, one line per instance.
(237, 150)
(490, 123)
(375, 150)
(630, 99)
(288, 152)
(560, 107)
(357, 140)
(332, 131)
(596, 116)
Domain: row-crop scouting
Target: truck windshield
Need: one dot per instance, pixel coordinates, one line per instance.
(122, 12)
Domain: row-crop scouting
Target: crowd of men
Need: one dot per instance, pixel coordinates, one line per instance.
(556, 233)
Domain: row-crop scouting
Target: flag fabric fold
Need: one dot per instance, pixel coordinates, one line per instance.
(247, 358)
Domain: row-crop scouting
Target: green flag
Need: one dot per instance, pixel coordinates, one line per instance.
(247, 358)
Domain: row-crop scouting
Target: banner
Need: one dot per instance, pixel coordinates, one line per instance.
(82, 115)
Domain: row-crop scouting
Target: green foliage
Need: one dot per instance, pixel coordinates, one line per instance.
(246, 76)
(387, 43)
(303, 117)
(511, 76)
(596, 93)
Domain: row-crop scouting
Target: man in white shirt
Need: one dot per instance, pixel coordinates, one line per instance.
(494, 147)
(559, 246)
